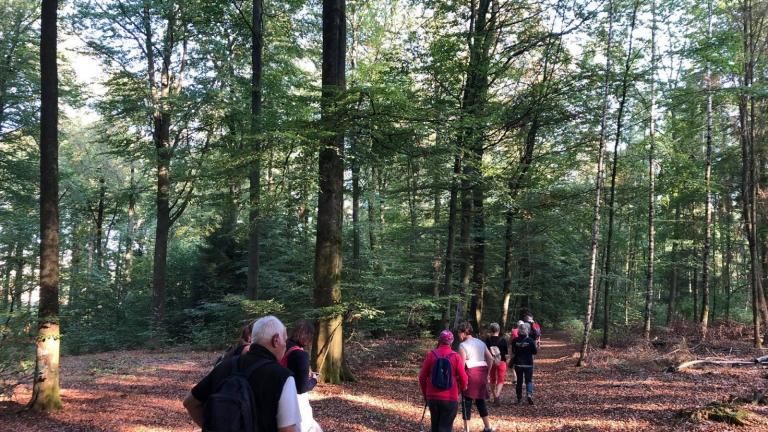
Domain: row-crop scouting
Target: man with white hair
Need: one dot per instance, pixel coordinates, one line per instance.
(274, 399)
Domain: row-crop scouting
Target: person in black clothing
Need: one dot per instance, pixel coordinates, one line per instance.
(274, 389)
(498, 347)
(296, 359)
(523, 350)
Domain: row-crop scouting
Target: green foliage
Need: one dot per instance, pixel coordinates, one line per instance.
(213, 325)
(17, 336)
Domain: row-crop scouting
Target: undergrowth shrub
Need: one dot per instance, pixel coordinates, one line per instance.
(214, 325)
(17, 350)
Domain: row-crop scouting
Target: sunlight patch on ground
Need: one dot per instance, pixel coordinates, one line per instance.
(154, 429)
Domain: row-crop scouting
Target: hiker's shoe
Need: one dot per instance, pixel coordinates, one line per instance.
(487, 430)
(496, 402)
(519, 401)
(530, 400)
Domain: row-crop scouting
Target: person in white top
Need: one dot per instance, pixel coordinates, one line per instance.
(478, 360)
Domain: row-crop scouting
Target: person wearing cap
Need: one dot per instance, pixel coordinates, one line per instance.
(443, 403)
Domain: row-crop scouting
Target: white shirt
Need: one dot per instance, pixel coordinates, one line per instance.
(475, 352)
(288, 407)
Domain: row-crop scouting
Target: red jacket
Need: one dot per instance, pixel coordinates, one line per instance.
(459, 375)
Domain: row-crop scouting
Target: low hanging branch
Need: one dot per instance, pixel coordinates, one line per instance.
(712, 362)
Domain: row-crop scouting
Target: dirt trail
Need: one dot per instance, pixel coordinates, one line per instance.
(141, 391)
(567, 398)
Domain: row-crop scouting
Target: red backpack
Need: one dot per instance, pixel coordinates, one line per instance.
(284, 360)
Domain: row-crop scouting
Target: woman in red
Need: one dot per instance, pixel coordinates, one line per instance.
(443, 403)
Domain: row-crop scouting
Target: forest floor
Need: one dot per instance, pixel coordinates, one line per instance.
(141, 391)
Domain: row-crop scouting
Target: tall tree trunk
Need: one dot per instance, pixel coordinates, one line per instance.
(18, 277)
(161, 122)
(705, 259)
(412, 190)
(515, 184)
(674, 290)
(355, 207)
(629, 267)
(5, 290)
(695, 289)
(98, 241)
(652, 188)
(465, 267)
(598, 191)
(130, 231)
(374, 217)
(436, 258)
(473, 108)
(45, 393)
(746, 117)
(254, 176)
(327, 293)
(451, 237)
(726, 217)
(607, 277)
(354, 156)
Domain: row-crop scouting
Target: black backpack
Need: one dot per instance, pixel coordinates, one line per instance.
(442, 372)
(232, 408)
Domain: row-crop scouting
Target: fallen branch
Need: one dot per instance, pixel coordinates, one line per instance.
(763, 359)
(703, 362)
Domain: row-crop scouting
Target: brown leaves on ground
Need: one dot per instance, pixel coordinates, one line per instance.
(623, 389)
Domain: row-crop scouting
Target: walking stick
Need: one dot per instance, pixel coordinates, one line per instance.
(421, 422)
(463, 413)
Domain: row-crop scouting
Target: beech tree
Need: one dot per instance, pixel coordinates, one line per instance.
(45, 396)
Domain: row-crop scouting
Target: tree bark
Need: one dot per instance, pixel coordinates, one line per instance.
(98, 241)
(674, 289)
(727, 218)
(465, 267)
(5, 290)
(436, 258)
(607, 277)
(412, 190)
(705, 259)
(652, 189)
(746, 120)
(598, 191)
(161, 124)
(473, 106)
(328, 250)
(45, 393)
(451, 237)
(254, 176)
(18, 278)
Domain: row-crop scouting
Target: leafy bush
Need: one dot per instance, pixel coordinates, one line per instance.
(214, 325)
(17, 350)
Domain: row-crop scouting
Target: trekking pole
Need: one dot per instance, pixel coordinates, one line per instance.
(423, 413)
(463, 413)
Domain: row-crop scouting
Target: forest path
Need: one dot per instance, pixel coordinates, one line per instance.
(141, 391)
(620, 398)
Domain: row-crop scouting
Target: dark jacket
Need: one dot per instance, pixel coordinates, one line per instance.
(298, 364)
(523, 350)
(266, 382)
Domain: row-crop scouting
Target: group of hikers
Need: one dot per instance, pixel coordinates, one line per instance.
(262, 383)
(477, 371)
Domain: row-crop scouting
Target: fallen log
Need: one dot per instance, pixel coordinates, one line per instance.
(709, 362)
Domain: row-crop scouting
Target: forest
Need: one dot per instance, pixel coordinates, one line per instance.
(386, 169)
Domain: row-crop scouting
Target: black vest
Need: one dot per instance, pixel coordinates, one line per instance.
(266, 382)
